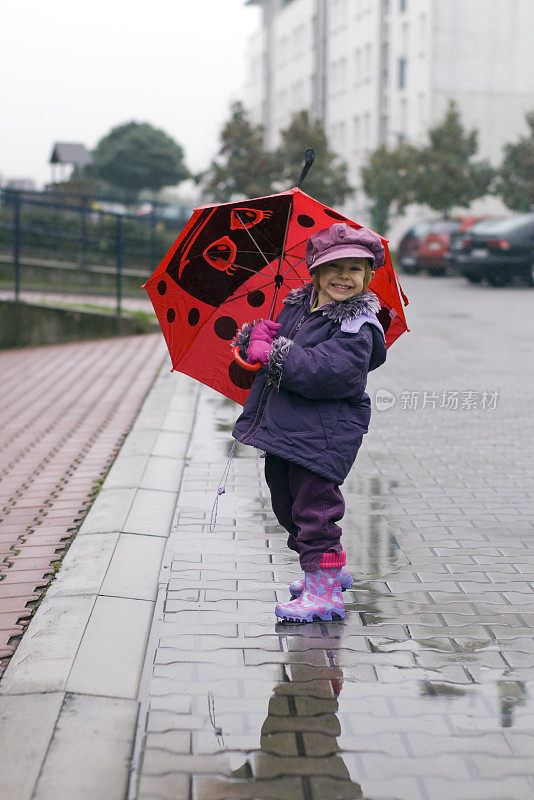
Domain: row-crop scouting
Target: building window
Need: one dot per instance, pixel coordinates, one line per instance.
(403, 5)
(368, 63)
(343, 74)
(402, 72)
(356, 132)
(358, 66)
(406, 37)
(403, 120)
(367, 128)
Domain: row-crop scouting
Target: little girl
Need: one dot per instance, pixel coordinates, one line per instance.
(308, 409)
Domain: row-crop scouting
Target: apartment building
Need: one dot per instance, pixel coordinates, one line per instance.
(383, 71)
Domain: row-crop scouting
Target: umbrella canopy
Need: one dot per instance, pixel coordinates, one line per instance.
(236, 262)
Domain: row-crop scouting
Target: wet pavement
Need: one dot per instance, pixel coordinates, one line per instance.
(425, 690)
(65, 412)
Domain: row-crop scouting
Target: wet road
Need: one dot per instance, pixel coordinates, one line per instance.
(425, 691)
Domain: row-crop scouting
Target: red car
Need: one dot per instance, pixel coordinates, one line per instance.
(409, 246)
(434, 246)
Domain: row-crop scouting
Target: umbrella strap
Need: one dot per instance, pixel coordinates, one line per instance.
(221, 488)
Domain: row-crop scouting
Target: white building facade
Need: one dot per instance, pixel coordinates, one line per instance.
(383, 71)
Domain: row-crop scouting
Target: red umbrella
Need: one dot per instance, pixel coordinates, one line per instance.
(236, 262)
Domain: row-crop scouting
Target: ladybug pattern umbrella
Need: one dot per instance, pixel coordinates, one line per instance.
(235, 262)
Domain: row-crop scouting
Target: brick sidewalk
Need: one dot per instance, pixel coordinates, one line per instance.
(425, 691)
(65, 412)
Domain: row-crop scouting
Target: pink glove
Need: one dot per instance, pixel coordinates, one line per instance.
(261, 340)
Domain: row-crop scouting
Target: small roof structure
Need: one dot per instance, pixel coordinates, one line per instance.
(70, 153)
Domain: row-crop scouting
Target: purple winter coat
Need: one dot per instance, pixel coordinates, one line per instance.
(308, 404)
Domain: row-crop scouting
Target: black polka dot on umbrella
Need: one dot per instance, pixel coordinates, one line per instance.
(171, 315)
(256, 298)
(193, 317)
(334, 214)
(162, 287)
(240, 377)
(305, 221)
(225, 328)
(384, 318)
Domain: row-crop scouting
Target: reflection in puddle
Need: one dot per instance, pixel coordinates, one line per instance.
(372, 548)
(512, 694)
(299, 734)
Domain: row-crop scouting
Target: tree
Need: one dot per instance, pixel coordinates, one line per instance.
(515, 178)
(387, 182)
(327, 179)
(135, 156)
(244, 167)
(444, 174)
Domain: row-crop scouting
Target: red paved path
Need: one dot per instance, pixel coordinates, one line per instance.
(64, 412)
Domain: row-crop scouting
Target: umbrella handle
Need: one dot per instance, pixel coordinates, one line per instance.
(245, 364)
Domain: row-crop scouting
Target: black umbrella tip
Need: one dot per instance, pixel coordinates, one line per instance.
(309, 158)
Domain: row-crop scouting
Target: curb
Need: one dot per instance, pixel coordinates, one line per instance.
(69, 697)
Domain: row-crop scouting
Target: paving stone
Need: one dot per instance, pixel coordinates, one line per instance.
(177, 703)
(173, 741)
(520, 742)
(164, 787)
(111, 653)
(156, 762)
(162, 473)
(506, 789)
(127, 472)
(134, 568)
(327, 724)
(45, 655)
(151, 513)
(84, 567)
(489, 766)
(216, 788)
(109, 511)
(97, 732)
(333, 788)
(26, 727)
(404, 788)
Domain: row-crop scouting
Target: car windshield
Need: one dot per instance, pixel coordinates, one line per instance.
(419, 229)
(445, 226)
(484, 225)
(508, 225)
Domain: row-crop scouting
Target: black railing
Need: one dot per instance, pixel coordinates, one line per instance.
(67, 242)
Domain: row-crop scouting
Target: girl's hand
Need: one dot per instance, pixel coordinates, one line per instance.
(265, 331)
(258, 351)
(261, 339)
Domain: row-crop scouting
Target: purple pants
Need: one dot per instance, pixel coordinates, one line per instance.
(308, 507)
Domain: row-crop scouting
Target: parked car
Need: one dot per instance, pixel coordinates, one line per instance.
(457, 239)
(409, 247)
(435, 244)
(499, 251)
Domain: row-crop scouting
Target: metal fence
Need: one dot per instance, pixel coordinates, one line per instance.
(67, 242)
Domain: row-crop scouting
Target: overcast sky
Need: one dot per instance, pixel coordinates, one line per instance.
(70, 71)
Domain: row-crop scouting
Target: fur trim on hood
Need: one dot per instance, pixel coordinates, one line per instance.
(344, 311)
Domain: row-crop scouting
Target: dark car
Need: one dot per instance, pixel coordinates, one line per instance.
(456, 238)
(499, 251)
(409, 247)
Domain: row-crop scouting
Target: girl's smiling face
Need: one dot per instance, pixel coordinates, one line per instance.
(342, 279)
